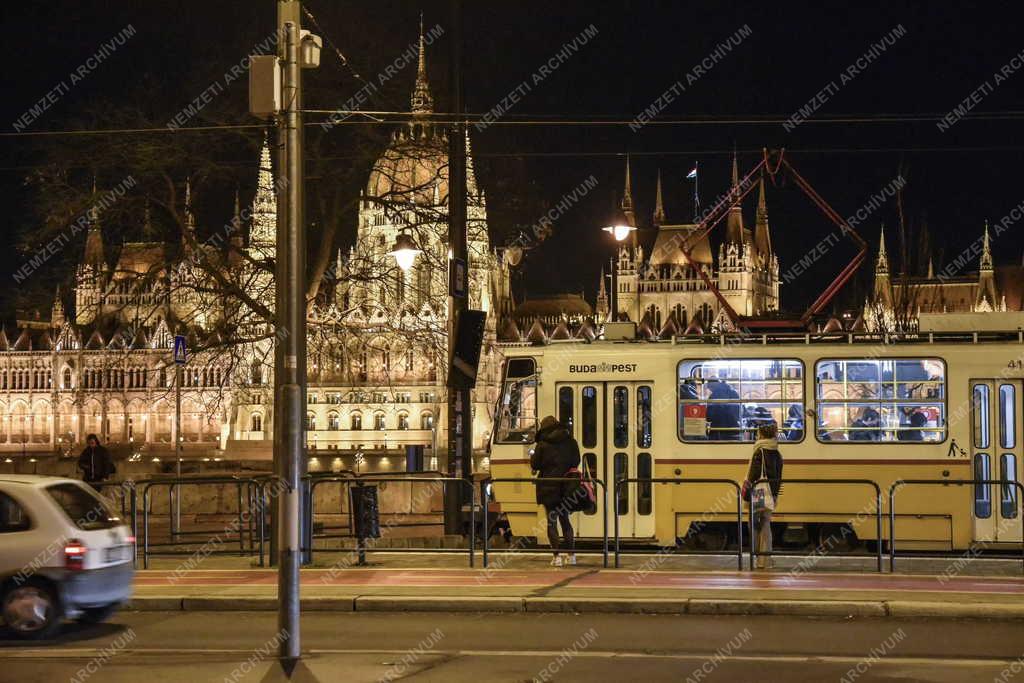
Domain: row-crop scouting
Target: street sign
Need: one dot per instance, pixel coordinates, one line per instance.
(466, 340)
(458, 278)
(180, 350)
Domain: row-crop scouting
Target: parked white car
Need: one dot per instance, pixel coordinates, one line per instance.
(63, 554)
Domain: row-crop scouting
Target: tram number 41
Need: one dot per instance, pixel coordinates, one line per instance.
(1016, 364)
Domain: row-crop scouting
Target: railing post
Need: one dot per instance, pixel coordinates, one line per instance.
(472, 522)
(145, 527)
(739, 527)
(487, 535)
(878, 525)
(604, 520)
(752, 533)
(892, 526)
(615, 514)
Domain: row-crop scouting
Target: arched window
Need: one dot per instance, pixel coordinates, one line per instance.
(427, 420)
(356, 421)
(408, 360)
(378, 421)
(163, 378)
(257, 422)
(403, 420)
(311, 422)
(333, 423)
(385, 359)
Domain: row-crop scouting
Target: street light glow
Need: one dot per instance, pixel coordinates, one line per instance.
(404, 251)
(620, 232)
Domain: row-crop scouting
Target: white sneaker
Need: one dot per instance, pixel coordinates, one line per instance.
(556, 561)
(571, 560)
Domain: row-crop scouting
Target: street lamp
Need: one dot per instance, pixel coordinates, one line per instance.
(404, 251)
(620, 231)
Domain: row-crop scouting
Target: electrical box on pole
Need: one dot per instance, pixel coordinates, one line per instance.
(264, 85)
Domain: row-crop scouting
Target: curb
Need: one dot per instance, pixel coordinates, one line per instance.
(894, 609)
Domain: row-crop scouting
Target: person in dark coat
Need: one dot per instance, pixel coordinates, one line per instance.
(95, 463)
(554, 455)
(766, 452)
(723, 417)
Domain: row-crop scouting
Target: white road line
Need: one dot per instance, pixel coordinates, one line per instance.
(77, 653)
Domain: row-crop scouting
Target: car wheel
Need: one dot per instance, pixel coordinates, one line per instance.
(32, 610)
(94, 615)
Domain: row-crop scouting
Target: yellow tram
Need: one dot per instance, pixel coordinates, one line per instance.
(848, 406)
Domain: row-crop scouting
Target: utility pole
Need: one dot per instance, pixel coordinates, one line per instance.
(290, 335)
(460, 410)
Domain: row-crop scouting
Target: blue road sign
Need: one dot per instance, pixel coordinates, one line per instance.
(458, 278)
(180, 350)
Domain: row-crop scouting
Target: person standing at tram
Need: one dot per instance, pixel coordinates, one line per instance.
(723, 411)
(766, 463)
(554, 455)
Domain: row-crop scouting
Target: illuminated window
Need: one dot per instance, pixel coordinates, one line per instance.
(727, 400)
(870, 400)
(257, 422)
(517, 417)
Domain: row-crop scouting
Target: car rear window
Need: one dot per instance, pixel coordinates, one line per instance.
(12, 516)
(83, 507)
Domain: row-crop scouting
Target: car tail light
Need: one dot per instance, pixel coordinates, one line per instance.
(74, 555)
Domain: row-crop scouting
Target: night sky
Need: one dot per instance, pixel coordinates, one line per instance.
(955, 179)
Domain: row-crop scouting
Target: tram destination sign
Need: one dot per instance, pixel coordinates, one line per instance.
(602, 367)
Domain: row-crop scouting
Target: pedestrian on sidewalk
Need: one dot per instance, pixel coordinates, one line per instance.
(555, 453)
(766, 463)
(95, 463)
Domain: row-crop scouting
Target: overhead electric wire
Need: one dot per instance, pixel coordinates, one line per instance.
(536, 120)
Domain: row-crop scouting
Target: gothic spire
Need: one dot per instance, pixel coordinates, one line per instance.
(471, 188)
(659, 205)
(264, 205)
(422, 102)
(882, 265)
(627, 193)
(762, 234)
(190, 218)
(94, 238)
(986, 251)
(734, 231)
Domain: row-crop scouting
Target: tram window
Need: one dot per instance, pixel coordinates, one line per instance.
(869, 400)
(588, 417)
(643, 490)
(565, 407)
(982, 500)
(517, 421)
(1007, 416)
(980, 415)
(590, 462)
(620, 416)
(643, 417)
(1008, 475)
(622, 472)
(727, 400)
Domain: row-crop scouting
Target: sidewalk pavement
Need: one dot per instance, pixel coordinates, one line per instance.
(664, 584)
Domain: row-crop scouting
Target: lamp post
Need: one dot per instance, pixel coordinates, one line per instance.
(620, 229)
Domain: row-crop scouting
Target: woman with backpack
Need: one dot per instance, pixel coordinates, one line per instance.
(554, 455)
(766, 463)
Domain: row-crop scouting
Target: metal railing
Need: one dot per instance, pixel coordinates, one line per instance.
(250, 515)
(362, 547)
(899, 483)
(534, 480)
(857, 482)
(681, 480)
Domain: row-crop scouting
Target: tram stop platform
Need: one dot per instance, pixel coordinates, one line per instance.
(942, 587)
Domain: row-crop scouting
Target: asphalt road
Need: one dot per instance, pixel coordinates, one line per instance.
(154, 647)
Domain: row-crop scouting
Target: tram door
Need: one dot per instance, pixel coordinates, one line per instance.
(996, 450)
(612, 422)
